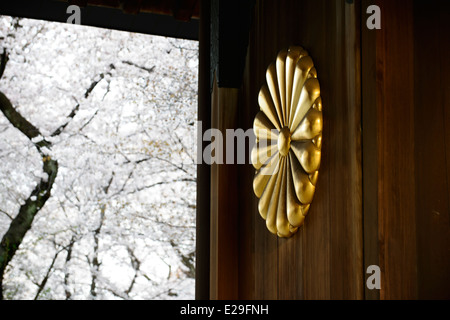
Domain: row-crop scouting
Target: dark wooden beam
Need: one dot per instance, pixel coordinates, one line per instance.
(180, 9)
(230, 24)
(105, 17)
(203, 169)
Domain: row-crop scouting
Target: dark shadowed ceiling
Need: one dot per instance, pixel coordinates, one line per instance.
(180, 9)
(170, 18)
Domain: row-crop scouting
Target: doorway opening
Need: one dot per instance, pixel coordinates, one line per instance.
(116, 110)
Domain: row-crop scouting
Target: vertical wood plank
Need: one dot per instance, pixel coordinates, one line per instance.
(290, 268)
(370, 151)
(331, 35)
(395, 117)
(249, 203)
(224, 205)
(248, 206)
(266, 255)
(346, 207)
(214, 194)
(313, 25)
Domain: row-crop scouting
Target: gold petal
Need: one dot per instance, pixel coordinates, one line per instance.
(290, 68)
(272, 79)
(263, 184)
(294, 54)
(304, 189)
(266, 105)
(283, 229)
(293, 229)
(271, 219)
(294, 207)
(263, 128)
(302, 69)
(313, 177)
(312, 73)
(310, 92)
(305, 209)
(309, 127)
(262, 151)
(308, 155)
(281, 76)
(298, 51)
(318, 104)
(318, 141)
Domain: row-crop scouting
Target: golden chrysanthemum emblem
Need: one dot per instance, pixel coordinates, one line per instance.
(288, 131)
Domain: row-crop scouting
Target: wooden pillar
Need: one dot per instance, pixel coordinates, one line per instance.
(203, 169)
(230, 21)
(224, 206)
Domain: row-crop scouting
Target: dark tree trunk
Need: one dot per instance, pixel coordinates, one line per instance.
(24, 219)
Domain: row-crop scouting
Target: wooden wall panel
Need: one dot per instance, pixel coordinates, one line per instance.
(395, 117)
(393, 87)
(324, 259)
(405, 84)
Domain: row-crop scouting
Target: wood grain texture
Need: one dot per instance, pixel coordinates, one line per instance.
(408, 93)
(224, 205)
(395, 138)
(324, 259)
(395, 83)
(370, 151)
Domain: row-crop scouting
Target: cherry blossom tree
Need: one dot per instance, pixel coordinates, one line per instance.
(97, 146)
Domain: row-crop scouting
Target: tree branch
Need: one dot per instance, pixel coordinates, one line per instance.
(95, 261)
(3, 61)
(63, 126)
(66, 275)
(24, 219)
(89, 121)
(7, 214)
(160, 183)
(136, 264)
(24, 126)
(86, 95)
(47, 275)
(22, 222)
(149, 70)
